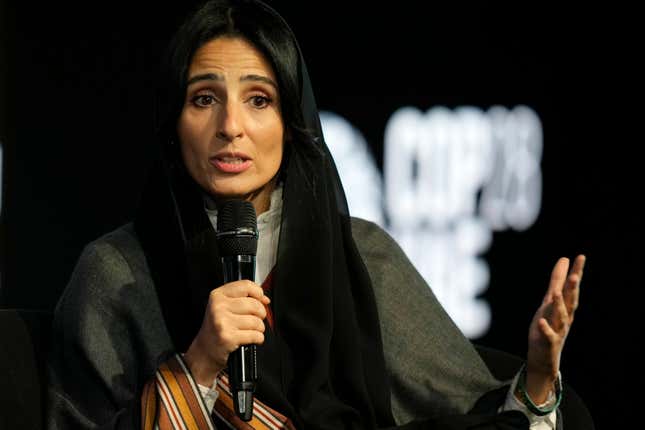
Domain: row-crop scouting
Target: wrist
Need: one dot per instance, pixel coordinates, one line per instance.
(202, 369)
(540, 386)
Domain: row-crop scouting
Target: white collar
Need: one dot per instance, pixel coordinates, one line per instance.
(268, 231)
(269, 216)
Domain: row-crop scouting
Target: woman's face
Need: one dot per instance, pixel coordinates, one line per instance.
(230, 127)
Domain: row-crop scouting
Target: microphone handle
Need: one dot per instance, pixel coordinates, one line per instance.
(242, 363)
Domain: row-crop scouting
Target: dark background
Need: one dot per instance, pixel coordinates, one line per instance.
(76, 123)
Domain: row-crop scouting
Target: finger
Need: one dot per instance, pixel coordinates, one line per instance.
(548, 331)
(248, 322)
(572, 293)
(241, 288)
(571, 288)
(558, 276)
(560, 317)
(579, 265)
(249, 337)
(247, 306)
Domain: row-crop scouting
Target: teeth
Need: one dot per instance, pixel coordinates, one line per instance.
(232, 160)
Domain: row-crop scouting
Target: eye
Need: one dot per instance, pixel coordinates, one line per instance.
(260, 102)
(203, 100)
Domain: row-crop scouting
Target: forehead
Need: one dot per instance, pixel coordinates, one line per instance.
(230, 54)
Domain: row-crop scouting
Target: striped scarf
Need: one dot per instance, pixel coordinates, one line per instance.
(172, 401)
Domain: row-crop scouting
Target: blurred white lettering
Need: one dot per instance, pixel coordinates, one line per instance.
(450, 177)
(358, 172)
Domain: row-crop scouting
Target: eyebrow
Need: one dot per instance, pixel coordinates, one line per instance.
(220, 78)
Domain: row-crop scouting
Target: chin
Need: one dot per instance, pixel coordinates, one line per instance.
(228, 192)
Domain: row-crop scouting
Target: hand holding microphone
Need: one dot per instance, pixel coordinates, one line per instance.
(233, 321)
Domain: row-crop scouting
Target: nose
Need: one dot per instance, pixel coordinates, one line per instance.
(229, 123)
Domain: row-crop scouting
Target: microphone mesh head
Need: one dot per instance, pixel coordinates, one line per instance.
(233, 215)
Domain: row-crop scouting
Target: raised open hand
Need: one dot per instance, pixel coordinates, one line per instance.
(550, 327)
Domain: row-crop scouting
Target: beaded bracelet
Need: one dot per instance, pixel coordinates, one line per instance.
(526, 400)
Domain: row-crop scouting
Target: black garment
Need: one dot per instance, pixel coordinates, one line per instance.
(109, 334)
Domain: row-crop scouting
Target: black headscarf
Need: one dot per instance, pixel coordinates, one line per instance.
(323, 364)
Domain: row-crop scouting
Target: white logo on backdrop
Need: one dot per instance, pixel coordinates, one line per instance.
(450, 178)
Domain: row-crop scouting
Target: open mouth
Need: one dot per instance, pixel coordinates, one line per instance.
(231, 163)
(231, 160)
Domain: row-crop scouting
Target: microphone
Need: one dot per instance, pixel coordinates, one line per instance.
(237, 239)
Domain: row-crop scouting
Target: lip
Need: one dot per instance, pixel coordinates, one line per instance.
(220, 163)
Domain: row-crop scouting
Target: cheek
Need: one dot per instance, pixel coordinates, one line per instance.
(272, 134)
(274, 151)
(193, 135)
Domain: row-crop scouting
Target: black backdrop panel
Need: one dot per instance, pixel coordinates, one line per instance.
(77, 117)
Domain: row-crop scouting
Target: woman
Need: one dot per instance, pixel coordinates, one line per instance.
(146, 324)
